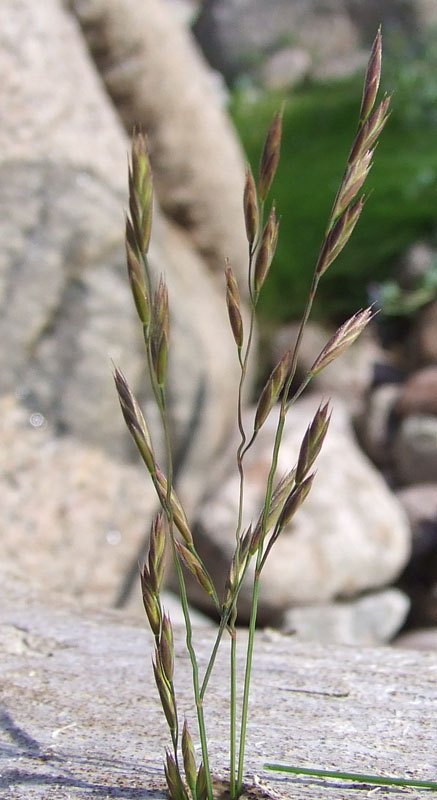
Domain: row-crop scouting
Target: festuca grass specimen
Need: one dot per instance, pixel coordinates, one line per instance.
(185, 778)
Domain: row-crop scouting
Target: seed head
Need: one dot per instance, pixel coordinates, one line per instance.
(294, 500)
(373, 76)
(270, 157)
(201, 787)
(165, 693)
(195, 566)
(189, 759)
(238, 565)
(179, 516)
(280, 494)
(134, 420)
(175, 786)
(342, 339)
(266, 251)
(234, 305)
(156, 559)
(166, 648)
(250, 204)
(339, 235)
(151, 603)
(136, 278)
(140, 194)
(272, 390)
(312, 442)
(160, 333)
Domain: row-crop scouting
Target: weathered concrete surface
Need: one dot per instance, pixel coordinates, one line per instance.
(80, 717)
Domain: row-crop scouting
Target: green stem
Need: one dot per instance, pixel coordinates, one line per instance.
(243, 365)
(247, 676)
(223, 623)
(233, 712)
(267, 502)
(353, 776)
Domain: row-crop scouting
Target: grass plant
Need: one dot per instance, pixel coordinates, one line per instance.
(170, 529)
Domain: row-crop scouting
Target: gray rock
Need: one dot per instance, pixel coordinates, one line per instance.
(62, 159)
(424, 639)
(419, 393)
(424, 336)
(371, 620)
(415, 263)
(186, 10)
(157, 78)
(237, 34)
(415, 450)
(426, 12)
(285, 68)
(419, 579)
(420, 504)
(350, 535)
(374, 423)
(64, 298)
(72, 517)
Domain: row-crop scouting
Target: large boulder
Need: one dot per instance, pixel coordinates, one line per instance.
(65, 305)
(243, 37)
(157, 78)
(351, 534)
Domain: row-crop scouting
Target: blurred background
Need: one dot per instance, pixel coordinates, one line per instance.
(204, 79)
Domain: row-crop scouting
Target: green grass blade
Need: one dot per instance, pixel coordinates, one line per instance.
(382, 780)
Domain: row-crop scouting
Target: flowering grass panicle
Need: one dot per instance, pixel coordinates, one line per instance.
(170, 530)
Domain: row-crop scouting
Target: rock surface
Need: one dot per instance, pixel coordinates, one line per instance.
(350, 535)
(80, 716)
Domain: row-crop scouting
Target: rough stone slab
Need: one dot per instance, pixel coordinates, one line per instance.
(80, 717)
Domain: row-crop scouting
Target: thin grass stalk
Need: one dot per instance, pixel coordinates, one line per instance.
(222, 626)
(267, 502)
(320, 267)
(240, 454)
(233, 709)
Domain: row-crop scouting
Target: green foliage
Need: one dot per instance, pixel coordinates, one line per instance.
(396, 300)
(401, 202)
(411, 66)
